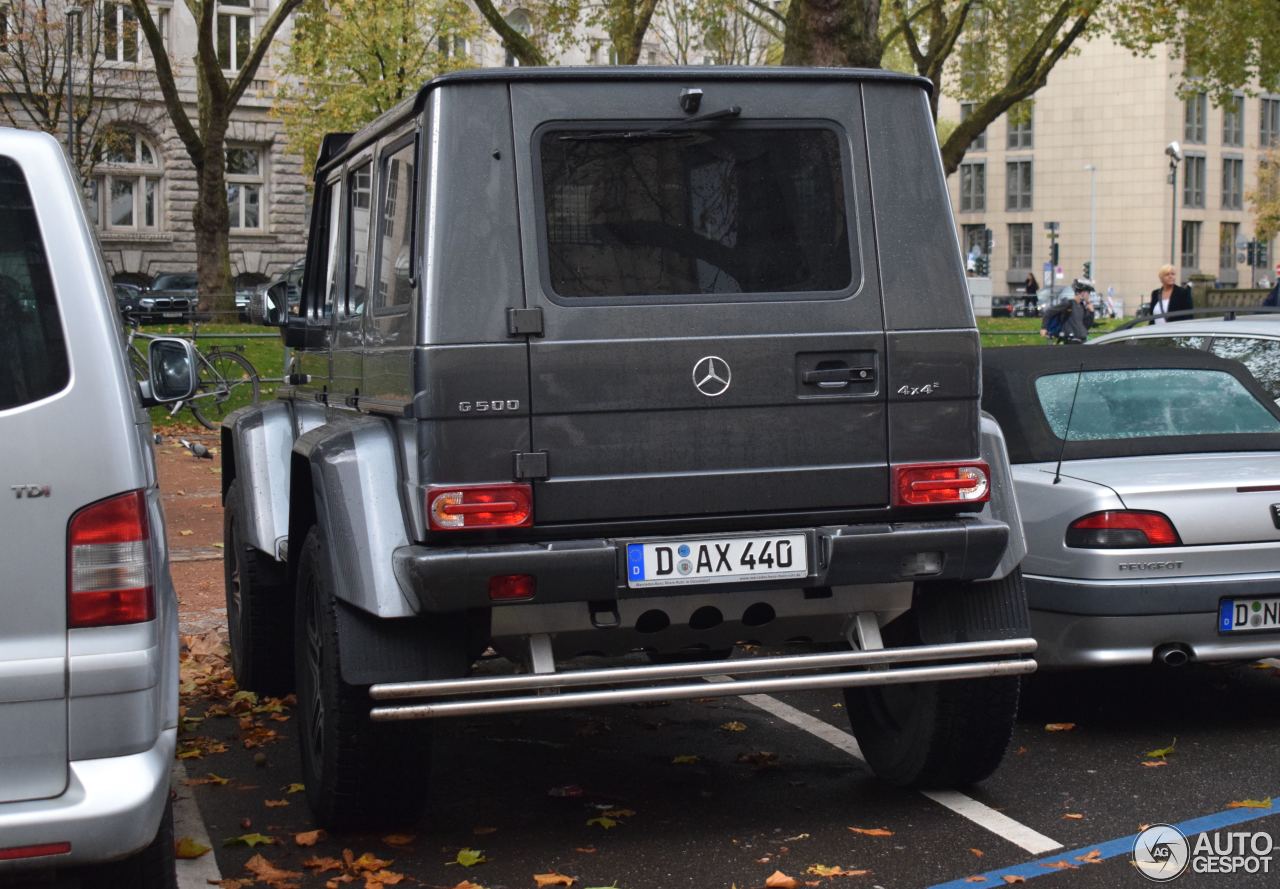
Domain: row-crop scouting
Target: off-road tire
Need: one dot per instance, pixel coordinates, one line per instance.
(150, 868)
(937, 734)
(357, 773)
(259, 608)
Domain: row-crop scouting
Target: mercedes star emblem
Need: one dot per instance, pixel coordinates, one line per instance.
(712, 375)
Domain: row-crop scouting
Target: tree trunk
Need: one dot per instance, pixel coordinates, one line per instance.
(211, 219)
(833, 33)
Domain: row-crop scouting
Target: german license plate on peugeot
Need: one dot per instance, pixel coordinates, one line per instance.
(1241, 615)
(717, 560)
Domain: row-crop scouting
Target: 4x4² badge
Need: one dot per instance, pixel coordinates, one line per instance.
(711, 375)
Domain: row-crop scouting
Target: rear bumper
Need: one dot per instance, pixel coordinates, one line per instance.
(1083, 623)
(450, 579)
(110, 809)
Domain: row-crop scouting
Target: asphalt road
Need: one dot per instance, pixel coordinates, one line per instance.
(719, 793)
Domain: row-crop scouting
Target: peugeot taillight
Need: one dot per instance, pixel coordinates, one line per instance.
(109, 563)
(475, 507)
(1122, 529)
(941, 484)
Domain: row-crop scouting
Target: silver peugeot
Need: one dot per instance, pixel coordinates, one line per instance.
(1149, 486)
(88, 622)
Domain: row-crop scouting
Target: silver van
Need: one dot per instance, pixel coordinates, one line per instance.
(88, 616)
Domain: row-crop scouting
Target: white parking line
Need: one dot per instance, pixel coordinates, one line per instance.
(966, 807)
(193, 873)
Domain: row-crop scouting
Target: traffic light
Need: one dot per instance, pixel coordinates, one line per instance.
(1053, 253)
(982, 266)
(1251, 254)
(988, 241)
(1088, 270)
(1262, 254)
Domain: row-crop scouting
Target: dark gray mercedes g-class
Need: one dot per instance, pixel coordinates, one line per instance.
(625, 362)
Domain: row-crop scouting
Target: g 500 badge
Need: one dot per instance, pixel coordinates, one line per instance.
(494, 406)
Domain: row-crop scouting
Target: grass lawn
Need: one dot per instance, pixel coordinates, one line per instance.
(1026, 331)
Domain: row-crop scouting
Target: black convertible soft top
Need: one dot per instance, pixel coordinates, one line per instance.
(1009, 394)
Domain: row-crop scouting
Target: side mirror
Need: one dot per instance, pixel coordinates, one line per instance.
(171, 371)
(266, 307)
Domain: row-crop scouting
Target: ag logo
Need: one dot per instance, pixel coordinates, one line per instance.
(1161, 853)
(711, 375)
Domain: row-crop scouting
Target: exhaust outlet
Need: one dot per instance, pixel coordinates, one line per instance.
(1174, 655)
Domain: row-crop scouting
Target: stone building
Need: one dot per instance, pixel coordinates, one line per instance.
(1090, 156)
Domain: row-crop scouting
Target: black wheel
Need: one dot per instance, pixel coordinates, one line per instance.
(150, 868)
(937, 734)
(227, 380)
(358, 773)
(259, 608)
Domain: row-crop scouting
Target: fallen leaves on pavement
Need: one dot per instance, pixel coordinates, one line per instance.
(1162, 752)
(399, 839)
(308, 837)
(1250, 804)
(1073, 816)
(1063, 864)
(470, 857)
(779, 880)
(267, 872)
(733, 726)
(1093, 857)
(1059, 726)
(872, 831)
(1156, 763)
(553, 879)
(684, 760)
(186, 848)
(821, 870)
(251, 840)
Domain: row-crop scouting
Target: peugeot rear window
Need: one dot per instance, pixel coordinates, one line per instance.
(721, 210)
(33, 353)
(1150, 403)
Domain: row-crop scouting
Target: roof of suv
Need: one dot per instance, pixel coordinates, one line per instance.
(613, 74)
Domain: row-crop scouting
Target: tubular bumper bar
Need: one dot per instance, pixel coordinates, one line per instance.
(543, 691)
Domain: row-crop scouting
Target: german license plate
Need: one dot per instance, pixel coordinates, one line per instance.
(1241, 615)
(716, 560)
(171, 314)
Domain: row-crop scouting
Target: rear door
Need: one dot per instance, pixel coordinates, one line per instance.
(712, 326)
(35, 377)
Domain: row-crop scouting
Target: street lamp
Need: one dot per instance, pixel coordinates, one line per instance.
(73, 26)
(1093, 223)
(1174, 150)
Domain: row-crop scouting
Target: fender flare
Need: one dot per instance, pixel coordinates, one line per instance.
(345, 478)
(1003, 505)
(256, 441)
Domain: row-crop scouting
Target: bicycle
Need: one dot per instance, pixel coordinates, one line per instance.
(226, 380)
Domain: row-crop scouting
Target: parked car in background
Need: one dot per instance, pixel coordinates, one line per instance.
(286, 290)
(171, 297)
(127, 298)
(1252, 339)
(1149, 486)
(89, 639)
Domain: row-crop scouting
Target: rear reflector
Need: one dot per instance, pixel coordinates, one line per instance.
(934, 484)
(1122, 529)
(15, 852)
(480, 506)
(505, 587)
(109, 563)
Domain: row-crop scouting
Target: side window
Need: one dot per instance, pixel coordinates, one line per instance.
(1168, 342)
(1261, 356)
(33, 354)
(330, 283)
(395, 239)
(360, 185)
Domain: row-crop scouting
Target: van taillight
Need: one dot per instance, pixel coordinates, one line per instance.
(109, 563)
(940, 484)
(1122, 529)
(469, 507)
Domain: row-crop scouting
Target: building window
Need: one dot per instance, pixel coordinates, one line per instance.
(453, 47)
(1021, 248)
(244, 187)
(1232, 183)
(1017, 185)
(1269, 127)
(979, 142)
(518, 19)
(1193, 182)
(1227, 234)
(973, 187)
(1020, 118)
(119, 33)
(1233, 122)
(234, 33)
(1195, 110)
(124, 195)
(1190, 246)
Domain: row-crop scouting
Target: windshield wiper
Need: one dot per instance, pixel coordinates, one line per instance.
(666, 131)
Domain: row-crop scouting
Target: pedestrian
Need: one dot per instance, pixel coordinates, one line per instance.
(1168, 297)
(1030, 287)
(1273, 298)
(1069, 321)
